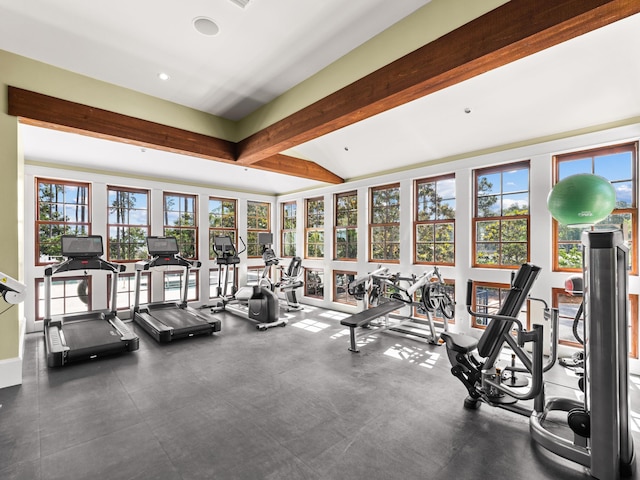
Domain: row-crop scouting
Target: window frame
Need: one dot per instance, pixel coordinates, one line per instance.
(38, 223)
(435, 222)
(314, 227)
(347, 228)
(39, 315)
(254, 230)
(181, 228)
(307, 282)
(502, 294)
(388, 225)
(217, 231)
(146, 227)
(633, 315)
(288, 232)
(631, 147)
(349, 300)
(181, 274)
(476, 219)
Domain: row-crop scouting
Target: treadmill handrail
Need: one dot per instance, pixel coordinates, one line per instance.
(84, 263)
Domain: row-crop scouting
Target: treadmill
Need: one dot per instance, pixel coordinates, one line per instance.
(85, 335)
(167, 321)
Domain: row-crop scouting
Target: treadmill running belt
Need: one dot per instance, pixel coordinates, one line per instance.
(177, 318)
(91, 333)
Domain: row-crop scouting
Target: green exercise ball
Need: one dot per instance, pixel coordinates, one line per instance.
(582, 199)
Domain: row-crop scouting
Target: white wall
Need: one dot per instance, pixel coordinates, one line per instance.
(539, 155)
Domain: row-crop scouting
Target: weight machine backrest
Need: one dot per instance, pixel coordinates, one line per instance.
(492, 337)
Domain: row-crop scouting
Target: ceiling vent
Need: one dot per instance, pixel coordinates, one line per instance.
(240, 3)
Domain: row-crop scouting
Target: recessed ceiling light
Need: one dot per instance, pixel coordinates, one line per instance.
(163, 76)
(206, 26)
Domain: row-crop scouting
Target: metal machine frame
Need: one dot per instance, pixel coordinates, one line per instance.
(84, 335)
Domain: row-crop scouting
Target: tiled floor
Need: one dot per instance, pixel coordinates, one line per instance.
(288, 403)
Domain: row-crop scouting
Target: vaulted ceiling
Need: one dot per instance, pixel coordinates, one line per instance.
(519, 72)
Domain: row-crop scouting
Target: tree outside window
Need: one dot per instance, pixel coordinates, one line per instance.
(501, 219)
(435, 212)
(346, 226)
(222, 221)
(180, 221)
(63, 208)
(618, 165)
(384, 223)
(315, 228)
(128, 223)
(288, 233)
(258, 221)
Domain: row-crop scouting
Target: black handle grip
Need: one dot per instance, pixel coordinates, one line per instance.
(469, 292)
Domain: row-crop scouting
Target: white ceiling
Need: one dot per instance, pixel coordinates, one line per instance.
(590, 80)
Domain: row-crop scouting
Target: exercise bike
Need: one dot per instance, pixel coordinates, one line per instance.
(290, 278)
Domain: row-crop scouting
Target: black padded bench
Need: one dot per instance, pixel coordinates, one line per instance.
(364, 318)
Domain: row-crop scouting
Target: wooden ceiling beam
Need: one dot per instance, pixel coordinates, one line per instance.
(510, 32)
(298, 168)
(114, 126)
(51, 112)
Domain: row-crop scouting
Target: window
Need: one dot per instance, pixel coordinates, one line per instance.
(216, 287)
(501, 216)
(173, 286)
(314, 283)
(128, 224)
(254, 273)
(180, 221)
(126, 289)
(434, 228)
(346, 226)
(68, 295)
(488, 298)
(314, 231)
(568, 308)
(341, 282)
(384, 224)
(618, 165)
(63, 208)
(222, 221)
(258, 221)
(288, 234)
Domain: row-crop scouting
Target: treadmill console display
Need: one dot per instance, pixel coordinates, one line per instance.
(90, 246)
(162, 246)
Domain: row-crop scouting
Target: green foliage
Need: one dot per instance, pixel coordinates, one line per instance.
(62, 210)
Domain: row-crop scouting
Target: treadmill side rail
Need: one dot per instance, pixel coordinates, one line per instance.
(56, 349)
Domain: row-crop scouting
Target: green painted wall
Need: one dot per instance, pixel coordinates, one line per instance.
(433, 20)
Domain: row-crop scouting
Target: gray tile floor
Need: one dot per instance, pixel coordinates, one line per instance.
(288, 403)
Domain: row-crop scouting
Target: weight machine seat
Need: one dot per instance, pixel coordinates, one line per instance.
(458, 342)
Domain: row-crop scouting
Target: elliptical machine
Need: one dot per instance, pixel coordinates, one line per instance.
(257, 303)
(290, 278)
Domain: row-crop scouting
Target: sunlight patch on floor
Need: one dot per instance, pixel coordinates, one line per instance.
(311, 325)
(334, 315)
(417, 355)
(340, 334)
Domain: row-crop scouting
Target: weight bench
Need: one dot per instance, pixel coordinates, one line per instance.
(364, 318)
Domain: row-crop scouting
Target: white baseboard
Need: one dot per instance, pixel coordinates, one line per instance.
(11, 368)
